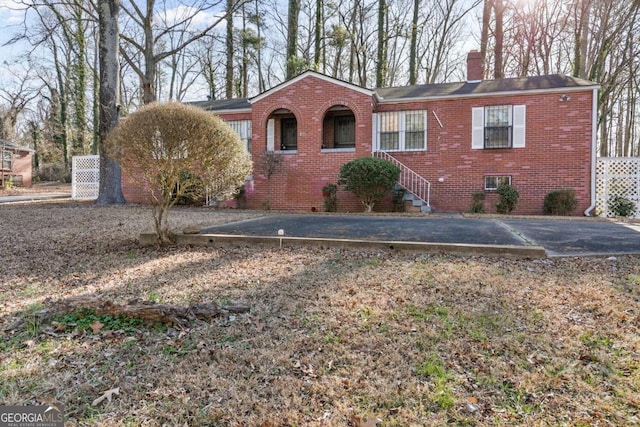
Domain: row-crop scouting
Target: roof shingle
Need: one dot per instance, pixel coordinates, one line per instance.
(554, 81)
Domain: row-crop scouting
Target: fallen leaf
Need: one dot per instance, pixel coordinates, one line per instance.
(356, 421)
(106, 395)
(96, 326)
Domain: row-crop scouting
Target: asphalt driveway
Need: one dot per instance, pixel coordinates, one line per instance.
(559, 237)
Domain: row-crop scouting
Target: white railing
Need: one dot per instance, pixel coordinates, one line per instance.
(409, 180)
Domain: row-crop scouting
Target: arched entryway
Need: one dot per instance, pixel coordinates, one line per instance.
(339, 128)
(282, 131)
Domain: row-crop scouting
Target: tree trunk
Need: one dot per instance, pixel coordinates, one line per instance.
(110, 191)
(245, 56)
(149, 76)
(292, 38)
(35, 139)
(95, 143)
(80, 85)
(261, 85)
(61, 136)
(317, 53)
(413, 49)
(498, 67)
(228, 87)
(581, 18)
(381, 67)
(484, 35)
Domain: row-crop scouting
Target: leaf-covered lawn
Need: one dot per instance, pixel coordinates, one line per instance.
(334, 337)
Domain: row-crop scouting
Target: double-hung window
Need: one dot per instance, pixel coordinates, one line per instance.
(243, 129)
(401, 130)
(498, 126)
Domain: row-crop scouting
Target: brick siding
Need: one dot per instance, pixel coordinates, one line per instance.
(557, 152)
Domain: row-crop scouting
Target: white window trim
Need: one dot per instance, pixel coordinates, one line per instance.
(495, 176)
(338, 150)
(243, 129)
(377, 117)
(7, 158)
(518, 128)
(271, 139)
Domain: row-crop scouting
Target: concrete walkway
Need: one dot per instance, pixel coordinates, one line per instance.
(557, 236)
(34, 196)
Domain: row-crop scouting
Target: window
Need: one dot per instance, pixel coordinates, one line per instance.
(160, 150)
(498, 126)
(7, 159)
(243, 129)
(289, 135)
(494, 181)
(401, 130)
(414, 133)
(344, 131)
(389, 135)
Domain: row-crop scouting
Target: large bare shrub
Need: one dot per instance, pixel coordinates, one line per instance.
(175, 149)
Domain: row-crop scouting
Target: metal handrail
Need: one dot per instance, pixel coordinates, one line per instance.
(408, 179)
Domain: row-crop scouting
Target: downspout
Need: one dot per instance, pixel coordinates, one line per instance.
(594, 150)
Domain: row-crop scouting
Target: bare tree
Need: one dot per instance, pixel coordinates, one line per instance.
(15, 100)
(151, 51)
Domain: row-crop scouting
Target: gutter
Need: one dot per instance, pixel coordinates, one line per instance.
(444, 97)
(594, 150)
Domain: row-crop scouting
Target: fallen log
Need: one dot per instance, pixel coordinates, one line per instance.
(147, 311)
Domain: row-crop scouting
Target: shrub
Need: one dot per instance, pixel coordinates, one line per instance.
(177, 150)
(329, 193)
(508, 199)
(560, 202)
(622, 206)
(398, 200)
(369, 178)
(241, 197)
(477, 202)
(270, 162)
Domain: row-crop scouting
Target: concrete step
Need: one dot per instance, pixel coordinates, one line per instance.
(413, 204)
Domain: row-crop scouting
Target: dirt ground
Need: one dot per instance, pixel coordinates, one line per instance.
(333, 337)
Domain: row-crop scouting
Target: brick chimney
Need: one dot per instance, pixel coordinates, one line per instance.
(474, 66)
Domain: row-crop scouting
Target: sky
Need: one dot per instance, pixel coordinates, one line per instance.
(12, 15)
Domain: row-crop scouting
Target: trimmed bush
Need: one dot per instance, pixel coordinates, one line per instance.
(560, 202)
(477, 202)
(369, 178)
(329, 194)
(508, 199)
(177, 151)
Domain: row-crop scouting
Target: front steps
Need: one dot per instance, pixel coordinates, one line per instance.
(417, 190)
(413, 204)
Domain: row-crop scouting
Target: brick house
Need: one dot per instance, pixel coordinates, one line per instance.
(16, 164)
(451, 139)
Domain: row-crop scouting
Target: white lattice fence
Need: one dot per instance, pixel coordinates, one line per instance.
(85, 177)
(617, 176)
